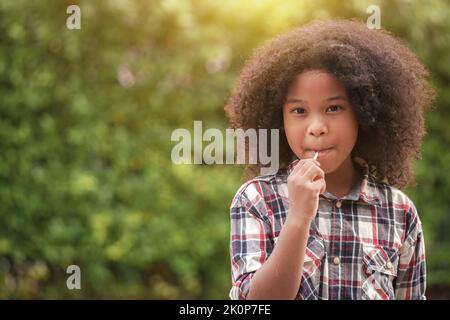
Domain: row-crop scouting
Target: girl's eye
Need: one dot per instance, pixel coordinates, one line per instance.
(335, 108)
(298, 111)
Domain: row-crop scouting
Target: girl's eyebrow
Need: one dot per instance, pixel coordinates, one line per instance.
(336, 98)
(295, 100)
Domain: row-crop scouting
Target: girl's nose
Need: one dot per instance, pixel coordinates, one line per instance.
(318, 128)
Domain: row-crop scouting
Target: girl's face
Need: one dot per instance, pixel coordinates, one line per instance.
(318, 116)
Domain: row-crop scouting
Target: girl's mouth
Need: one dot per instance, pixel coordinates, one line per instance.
(322, 153)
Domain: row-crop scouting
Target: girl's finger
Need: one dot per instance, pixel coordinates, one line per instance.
(320, 185)
(298, 164)
(308, 163)
(313, 172)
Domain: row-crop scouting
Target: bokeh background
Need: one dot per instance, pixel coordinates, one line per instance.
(86, 118)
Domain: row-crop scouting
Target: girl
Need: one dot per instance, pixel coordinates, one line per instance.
(332, 223)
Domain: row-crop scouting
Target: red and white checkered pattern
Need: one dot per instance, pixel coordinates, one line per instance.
(366, 245)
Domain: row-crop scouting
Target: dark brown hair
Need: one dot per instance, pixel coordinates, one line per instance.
(385, 82)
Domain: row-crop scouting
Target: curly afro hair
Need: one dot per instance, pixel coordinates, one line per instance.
(385, 82)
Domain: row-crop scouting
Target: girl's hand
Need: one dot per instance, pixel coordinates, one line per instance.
(305, 183)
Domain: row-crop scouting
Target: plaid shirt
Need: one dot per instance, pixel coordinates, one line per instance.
(368, 244)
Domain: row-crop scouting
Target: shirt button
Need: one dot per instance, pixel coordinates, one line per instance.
(336, 260)
(338, 203)
(389, 265)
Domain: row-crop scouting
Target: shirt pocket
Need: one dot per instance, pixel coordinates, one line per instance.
(312, 265)
(379, 272)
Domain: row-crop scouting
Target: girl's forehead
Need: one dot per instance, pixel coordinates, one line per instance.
(313, 82)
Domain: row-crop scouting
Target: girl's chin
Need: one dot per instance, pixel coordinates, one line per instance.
(329, 166)
(325, 169)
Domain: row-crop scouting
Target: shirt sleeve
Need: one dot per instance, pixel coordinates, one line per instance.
(250, 239)
(410, 283)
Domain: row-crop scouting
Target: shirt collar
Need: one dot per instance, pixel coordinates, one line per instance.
(364, 190)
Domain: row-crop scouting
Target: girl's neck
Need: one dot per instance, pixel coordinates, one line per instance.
(341, 181)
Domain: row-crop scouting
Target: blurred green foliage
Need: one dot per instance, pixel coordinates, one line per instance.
(85, 123)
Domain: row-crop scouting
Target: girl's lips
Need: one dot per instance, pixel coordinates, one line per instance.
(322, 153)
